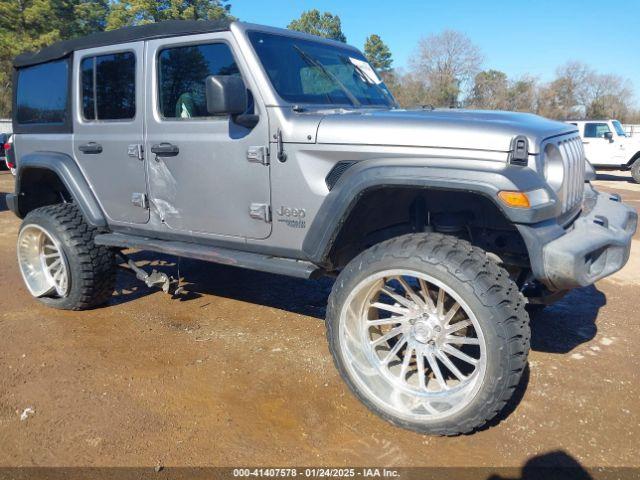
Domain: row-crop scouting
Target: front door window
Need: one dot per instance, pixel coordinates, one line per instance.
(596, 130)
(182, 73)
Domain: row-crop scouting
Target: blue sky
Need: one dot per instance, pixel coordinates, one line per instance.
(518, 37)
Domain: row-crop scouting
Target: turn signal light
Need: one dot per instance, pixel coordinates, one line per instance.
(515, 199)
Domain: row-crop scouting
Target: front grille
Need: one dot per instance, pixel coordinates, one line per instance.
(574, 165)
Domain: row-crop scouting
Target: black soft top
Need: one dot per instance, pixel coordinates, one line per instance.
(169, 28)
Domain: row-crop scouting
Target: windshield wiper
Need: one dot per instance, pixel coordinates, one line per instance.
(386, 95)
(315, 63)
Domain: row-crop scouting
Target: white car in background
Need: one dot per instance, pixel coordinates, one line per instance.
(607, 146)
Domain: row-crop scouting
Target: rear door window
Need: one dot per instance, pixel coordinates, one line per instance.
(42, 94)
(109, 86)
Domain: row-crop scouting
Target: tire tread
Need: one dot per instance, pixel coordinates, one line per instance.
(97, 269)
(491, 285)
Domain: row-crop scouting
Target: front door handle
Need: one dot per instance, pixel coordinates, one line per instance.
(165, 149)
(90, 148)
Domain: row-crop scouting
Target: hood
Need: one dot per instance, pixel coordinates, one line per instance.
(461, 129)
(630, 142)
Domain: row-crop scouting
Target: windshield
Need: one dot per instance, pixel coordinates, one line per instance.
(619, 129)
(304, 71)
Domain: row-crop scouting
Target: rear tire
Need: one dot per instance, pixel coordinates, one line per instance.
(635, 170)
(490, 320)
(60, 263)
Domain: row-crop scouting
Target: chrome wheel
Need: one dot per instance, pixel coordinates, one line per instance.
(42, 262)
(412, 345)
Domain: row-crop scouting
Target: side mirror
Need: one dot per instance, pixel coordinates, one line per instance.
(609, 136)
(226, 95)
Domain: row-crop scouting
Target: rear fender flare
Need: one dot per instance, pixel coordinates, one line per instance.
(71, 177)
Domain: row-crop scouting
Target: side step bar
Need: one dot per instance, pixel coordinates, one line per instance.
(225, 256)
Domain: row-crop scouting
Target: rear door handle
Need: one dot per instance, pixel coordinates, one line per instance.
(165, 149)
(90, 148)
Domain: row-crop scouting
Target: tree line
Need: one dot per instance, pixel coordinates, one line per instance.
(445, 70)
(29, 25)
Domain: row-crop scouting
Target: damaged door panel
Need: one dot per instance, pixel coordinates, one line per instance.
(198, 173)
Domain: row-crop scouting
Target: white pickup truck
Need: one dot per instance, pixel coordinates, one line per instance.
(607, 146)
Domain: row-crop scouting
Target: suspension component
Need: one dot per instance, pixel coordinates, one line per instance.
(153, 279)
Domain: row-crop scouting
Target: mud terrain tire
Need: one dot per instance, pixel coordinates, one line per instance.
(494, 299)
(91, 267)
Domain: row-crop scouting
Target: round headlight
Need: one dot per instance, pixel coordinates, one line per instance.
(553, 167)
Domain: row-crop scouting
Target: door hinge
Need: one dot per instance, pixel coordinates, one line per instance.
(139, 200)
(258, 155)
(260, 211)
(136, 150)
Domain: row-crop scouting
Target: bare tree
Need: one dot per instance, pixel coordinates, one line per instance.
(523, 95)
(446, 66)
(409, 90)
(490, 91)
(446, 63)
(572, 83)
(609, 96)
(578, 91)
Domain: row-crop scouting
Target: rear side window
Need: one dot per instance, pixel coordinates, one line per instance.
(42, 94)
(109, 86)
(182, 73)
(596, 130)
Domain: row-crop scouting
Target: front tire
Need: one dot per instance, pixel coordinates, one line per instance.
(60, 263)
(428, 333)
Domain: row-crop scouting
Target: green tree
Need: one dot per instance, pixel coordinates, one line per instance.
(378, 53)
(125, 13)
(28, 25)
(24, 25)
(73, 18)
(323, 25)
(89, 17)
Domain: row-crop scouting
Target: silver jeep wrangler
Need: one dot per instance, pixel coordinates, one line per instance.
(282, 152)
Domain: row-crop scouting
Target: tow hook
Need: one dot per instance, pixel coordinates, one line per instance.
(153, 279)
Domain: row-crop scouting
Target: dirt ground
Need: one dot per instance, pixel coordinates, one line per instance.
(237, 372)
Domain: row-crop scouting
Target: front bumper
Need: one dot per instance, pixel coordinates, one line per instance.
(594, 246)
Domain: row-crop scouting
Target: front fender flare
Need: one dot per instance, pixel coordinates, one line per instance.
(71, 177)
(376, 174)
